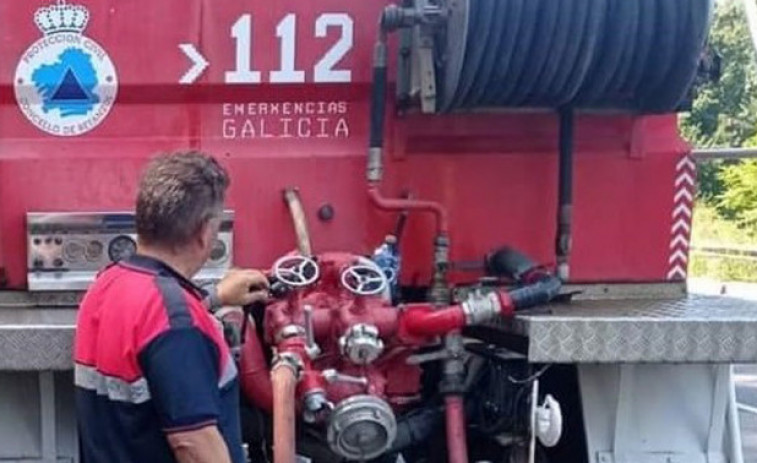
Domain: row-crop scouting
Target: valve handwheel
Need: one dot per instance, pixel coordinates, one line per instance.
(364, 280)
(296, 271)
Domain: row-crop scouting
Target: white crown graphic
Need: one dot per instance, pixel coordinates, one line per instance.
(62, 18)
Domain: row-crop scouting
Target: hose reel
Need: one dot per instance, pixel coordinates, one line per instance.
(630, 55)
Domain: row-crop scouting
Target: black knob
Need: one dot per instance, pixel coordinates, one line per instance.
(58, 262)
(326, 213)
(38, 262)
(58, 241)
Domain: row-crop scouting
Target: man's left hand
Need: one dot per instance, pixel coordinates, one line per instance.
(242, 287)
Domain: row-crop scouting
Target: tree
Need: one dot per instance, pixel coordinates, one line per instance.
(725, 113)
(739, 198)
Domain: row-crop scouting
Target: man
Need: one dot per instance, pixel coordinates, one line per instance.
(155, 381)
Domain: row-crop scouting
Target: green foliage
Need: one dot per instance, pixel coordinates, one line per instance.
(712, 229)
(739, 198)
(709, 183)
(722, 268)
(709, 228)
(725, 113)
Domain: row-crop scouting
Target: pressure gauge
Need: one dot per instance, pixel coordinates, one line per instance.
(73, 251)
(94, 250)
(218, 251)
(121, 247)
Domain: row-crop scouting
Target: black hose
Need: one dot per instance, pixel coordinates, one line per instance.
(475, 57)
(575, 39)
(378, 102)
(509, 263)
(374, 170)
(546, 288)
(637, 55)
(539, 287)
(415, 427)
(565, 193)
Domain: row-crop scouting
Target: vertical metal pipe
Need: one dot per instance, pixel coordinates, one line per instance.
(284, 382)
(294, 203)
(563, 241)
(374, 170)
(734, 428)
(48, 420)
(457, 447)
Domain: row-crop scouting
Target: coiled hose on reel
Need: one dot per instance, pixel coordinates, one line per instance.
(635, 55)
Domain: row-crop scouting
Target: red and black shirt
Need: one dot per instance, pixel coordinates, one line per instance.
(150, 360)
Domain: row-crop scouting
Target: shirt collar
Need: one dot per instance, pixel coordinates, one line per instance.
(142, 263)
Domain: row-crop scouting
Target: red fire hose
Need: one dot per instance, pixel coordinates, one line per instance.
(424, 321)
(284, 382)
(254, 374)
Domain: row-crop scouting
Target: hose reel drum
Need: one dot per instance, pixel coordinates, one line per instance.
(640, 56)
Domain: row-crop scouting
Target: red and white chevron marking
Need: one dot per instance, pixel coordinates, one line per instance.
(680, 229)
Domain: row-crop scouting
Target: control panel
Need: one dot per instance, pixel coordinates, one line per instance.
(67, 250)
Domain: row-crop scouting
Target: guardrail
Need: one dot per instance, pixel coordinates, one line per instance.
(712, 154)
(732, 252)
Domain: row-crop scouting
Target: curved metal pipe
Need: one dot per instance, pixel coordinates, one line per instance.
(294, 203)
(400, 205)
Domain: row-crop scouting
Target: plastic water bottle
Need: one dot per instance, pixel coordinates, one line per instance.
(387, 257)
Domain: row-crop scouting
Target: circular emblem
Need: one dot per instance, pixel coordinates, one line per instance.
(65, 82)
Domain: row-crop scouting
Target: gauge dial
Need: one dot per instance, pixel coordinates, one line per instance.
(218, 251)
(94, 250)
(73, 251)
(121, 247)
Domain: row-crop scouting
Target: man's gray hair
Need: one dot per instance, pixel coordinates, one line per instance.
(178, 194)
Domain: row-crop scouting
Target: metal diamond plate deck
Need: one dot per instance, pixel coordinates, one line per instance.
(36, 339)
(691, 329)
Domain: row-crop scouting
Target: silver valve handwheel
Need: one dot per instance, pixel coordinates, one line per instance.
(364, 280)
(296, 271)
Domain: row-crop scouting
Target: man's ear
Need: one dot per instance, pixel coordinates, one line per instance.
(205, 237)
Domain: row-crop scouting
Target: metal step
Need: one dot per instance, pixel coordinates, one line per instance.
(688, 329)
(36, 339)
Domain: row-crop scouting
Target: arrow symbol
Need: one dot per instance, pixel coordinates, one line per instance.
(681, 224)
(683, 193)
(683, 208)
(680, 239)
(199, 63)
(678, 255)
(684, 177)
(685, 162)
(676, 271)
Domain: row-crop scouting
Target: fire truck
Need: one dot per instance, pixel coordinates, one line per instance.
(475, 215)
